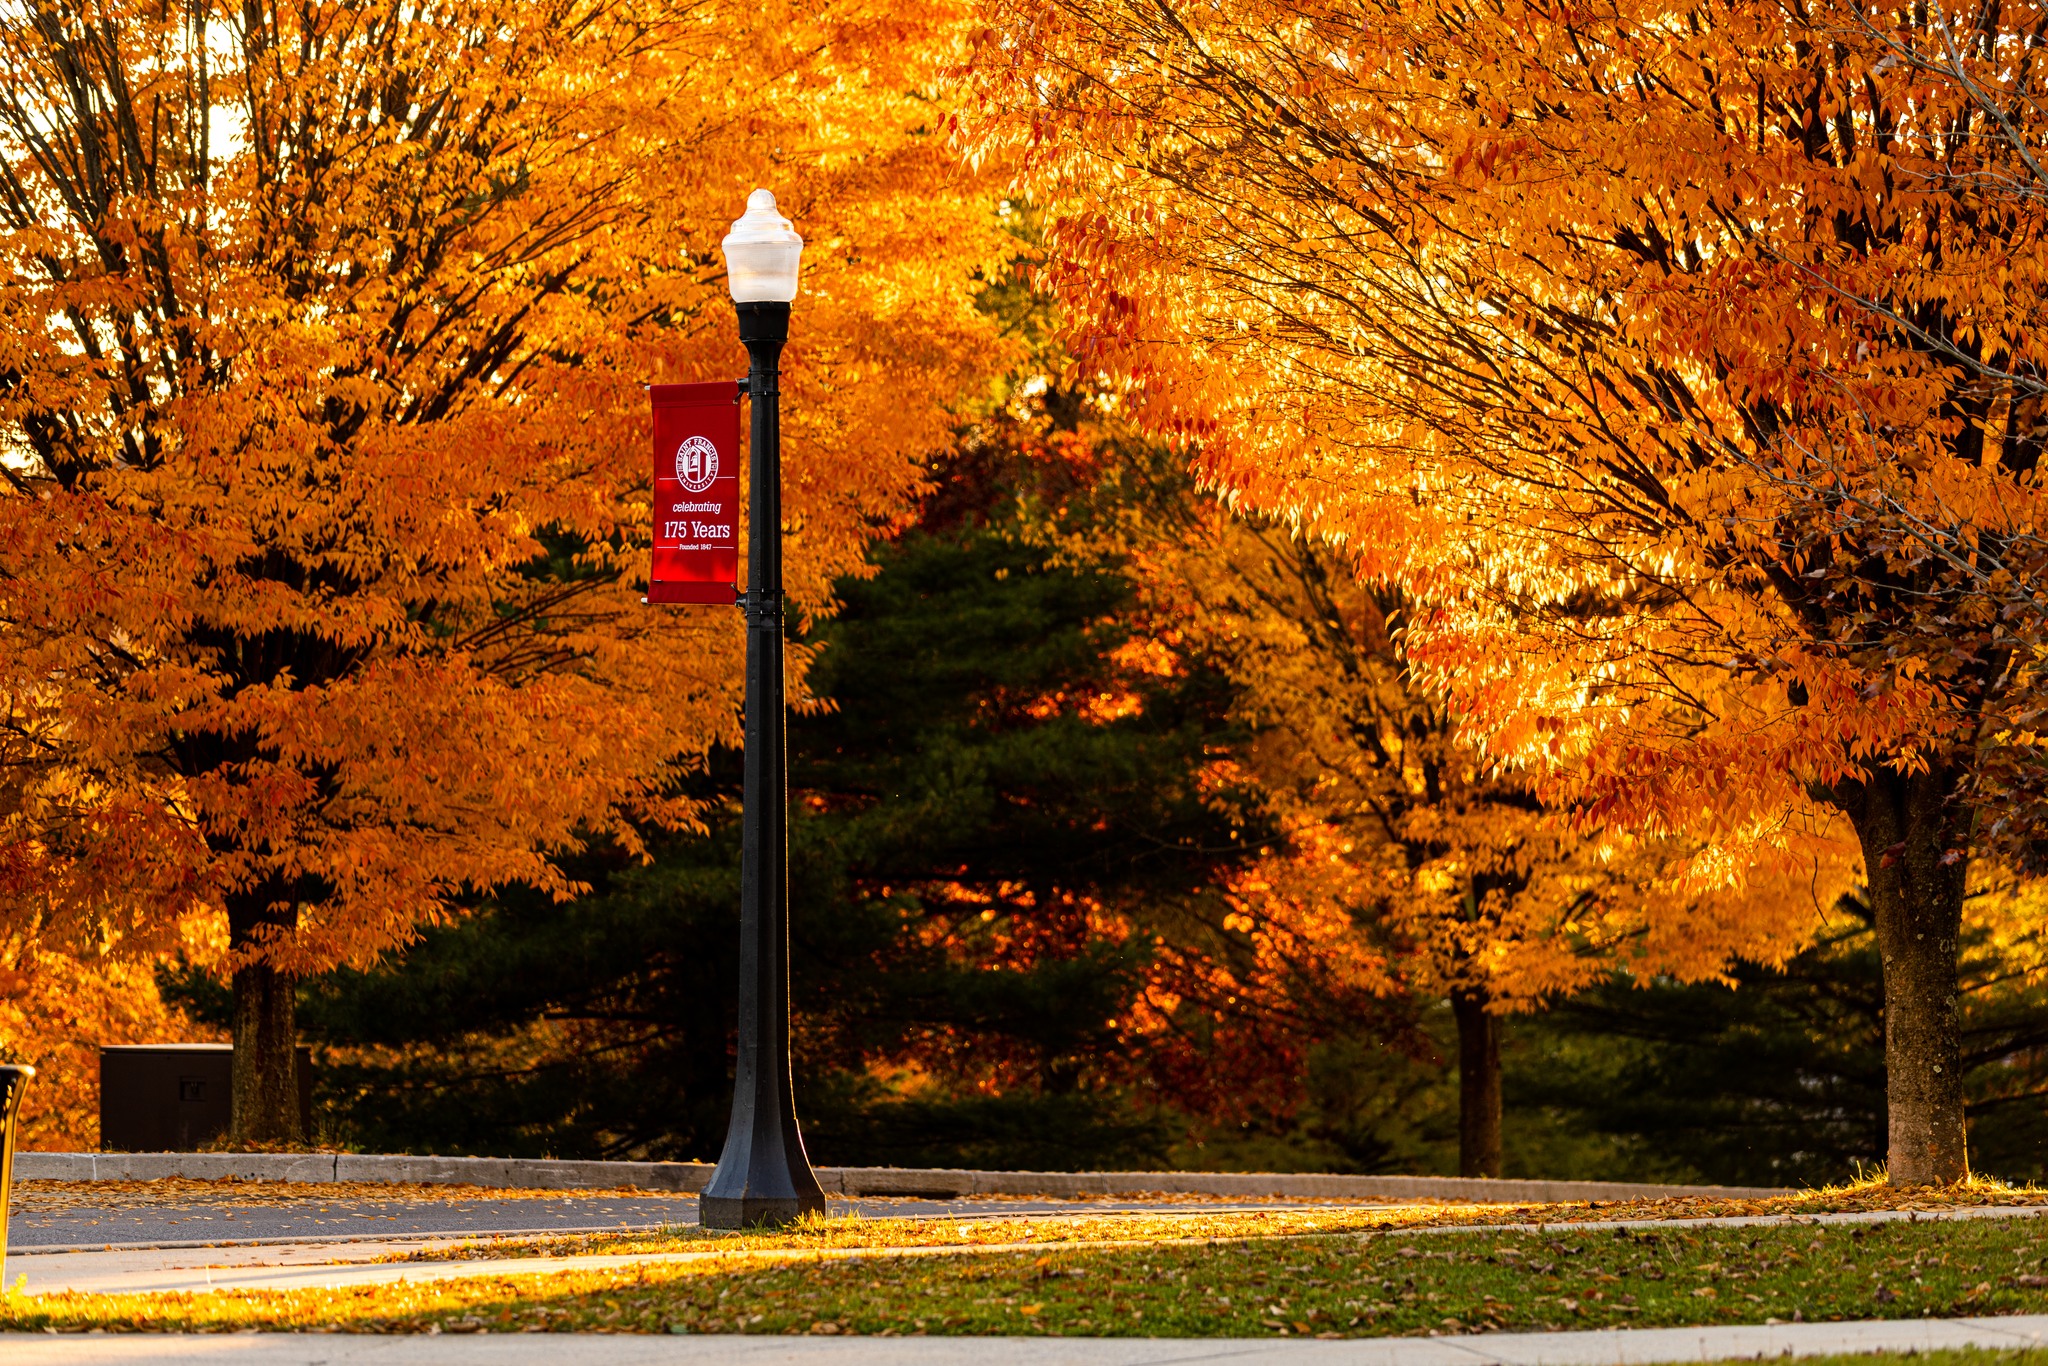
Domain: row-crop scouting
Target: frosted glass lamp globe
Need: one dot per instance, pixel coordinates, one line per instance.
(762, 253)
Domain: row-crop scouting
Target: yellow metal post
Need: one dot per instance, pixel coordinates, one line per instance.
(13, 1084)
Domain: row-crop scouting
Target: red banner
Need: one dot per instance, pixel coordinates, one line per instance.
(696, 492)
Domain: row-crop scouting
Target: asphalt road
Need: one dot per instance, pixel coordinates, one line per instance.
(323, 1220)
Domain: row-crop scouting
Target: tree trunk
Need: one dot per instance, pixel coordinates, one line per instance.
(265, 1104)
(1478, 1084)
(1916, 855)
(263, 1107)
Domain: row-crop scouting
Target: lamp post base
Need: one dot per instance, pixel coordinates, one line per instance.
(756, 1211)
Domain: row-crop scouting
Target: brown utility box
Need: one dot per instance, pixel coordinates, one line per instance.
(173, 1097)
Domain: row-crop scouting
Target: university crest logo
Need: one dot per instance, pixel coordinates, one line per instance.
(696, 464)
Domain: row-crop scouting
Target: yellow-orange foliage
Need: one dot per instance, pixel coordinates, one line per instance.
(1407, 861)
(1672, 355)
(322, 336)
(1393, 808)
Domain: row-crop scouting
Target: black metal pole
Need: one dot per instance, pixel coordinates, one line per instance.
(763, 1176)
(14, 1082)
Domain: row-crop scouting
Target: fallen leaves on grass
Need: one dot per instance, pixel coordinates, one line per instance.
(1351, 1285)
(856, 1231)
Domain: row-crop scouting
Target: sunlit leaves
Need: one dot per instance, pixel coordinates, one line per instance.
(1589, 328)
(322, 338)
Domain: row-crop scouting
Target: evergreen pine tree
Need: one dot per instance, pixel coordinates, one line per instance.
(993, 812)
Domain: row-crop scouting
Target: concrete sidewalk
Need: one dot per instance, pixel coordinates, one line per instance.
(1614, 1347)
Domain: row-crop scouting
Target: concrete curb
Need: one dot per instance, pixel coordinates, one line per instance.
(931, 1183)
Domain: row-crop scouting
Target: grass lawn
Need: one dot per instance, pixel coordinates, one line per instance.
(1344, 1284)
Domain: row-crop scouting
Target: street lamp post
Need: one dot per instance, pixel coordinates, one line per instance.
(763, 1176)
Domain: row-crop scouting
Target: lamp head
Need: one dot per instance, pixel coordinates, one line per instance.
(762, 254)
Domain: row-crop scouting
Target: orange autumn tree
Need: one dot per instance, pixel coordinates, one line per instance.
(1407, 859)
(324, 519)
(1599, 326)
